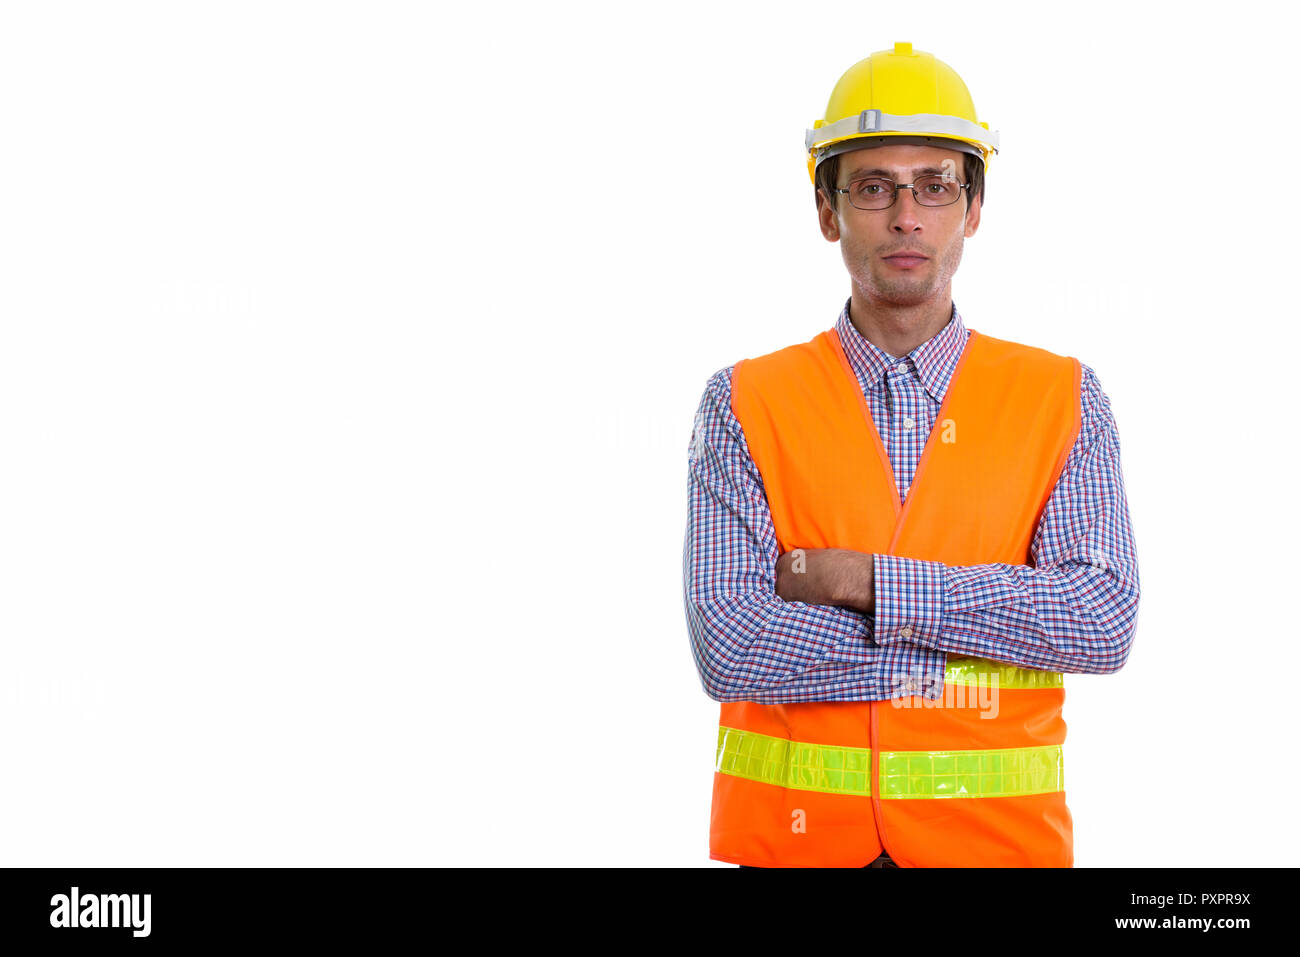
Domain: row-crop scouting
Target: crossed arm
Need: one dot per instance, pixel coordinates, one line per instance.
(845, 625)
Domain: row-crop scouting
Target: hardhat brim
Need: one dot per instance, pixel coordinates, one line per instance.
(867, 142)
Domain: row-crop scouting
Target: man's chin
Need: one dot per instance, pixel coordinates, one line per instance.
(902, 293)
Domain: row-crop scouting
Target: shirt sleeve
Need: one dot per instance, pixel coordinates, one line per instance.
(748, 643)
(1073, 610)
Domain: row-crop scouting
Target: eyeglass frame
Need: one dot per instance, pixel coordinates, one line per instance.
(897, 186)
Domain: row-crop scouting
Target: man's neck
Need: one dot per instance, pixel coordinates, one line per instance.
(897, 330)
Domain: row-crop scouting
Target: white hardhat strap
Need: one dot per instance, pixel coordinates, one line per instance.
(874, 121)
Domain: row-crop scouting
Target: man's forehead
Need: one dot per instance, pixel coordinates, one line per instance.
(903, 160)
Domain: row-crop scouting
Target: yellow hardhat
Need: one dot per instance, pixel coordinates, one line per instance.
(899, 91)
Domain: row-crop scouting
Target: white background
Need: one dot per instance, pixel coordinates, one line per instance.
(348, 359)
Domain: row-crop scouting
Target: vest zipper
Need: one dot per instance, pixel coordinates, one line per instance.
(875, 780)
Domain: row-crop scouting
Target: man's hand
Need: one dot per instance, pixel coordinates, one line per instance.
(828, 576)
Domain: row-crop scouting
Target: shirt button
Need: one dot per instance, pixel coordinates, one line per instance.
(908, 422)
(906, 631)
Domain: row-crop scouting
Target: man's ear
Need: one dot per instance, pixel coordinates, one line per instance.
(973, 218)
(827, 218)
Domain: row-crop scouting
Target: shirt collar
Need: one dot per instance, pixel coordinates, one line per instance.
(933, 360)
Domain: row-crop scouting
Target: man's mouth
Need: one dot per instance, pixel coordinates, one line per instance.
(905, 260)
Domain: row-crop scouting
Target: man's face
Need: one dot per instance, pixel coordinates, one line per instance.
(868, 237)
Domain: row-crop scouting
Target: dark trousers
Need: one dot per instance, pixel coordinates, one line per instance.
(884, 860)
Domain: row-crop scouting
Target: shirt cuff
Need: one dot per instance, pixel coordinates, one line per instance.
(909, 600)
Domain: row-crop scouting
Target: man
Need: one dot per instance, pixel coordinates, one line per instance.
(902, 532)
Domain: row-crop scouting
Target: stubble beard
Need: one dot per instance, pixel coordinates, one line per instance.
(908, 288)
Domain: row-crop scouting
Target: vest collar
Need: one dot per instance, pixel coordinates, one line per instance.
(934, 359)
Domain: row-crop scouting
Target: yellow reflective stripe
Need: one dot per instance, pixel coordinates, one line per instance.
(794, 764)
(981, 672)
(998, 772)
(1004, 772)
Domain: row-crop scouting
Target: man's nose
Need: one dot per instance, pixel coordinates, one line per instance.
(905, 213)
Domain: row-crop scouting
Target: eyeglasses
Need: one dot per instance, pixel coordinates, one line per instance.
(879, 193)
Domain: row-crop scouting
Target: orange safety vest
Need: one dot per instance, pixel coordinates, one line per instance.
(974, 777)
